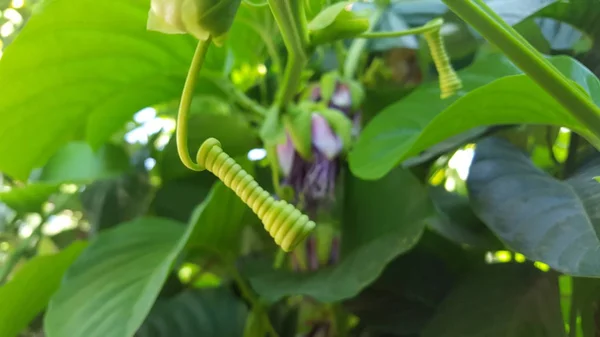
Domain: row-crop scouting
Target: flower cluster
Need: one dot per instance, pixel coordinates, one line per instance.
(313, 179)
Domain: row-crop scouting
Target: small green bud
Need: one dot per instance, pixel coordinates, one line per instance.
(336, 22)
(200, 18)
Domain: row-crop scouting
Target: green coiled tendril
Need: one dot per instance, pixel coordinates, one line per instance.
(284, 222)
(450, 83)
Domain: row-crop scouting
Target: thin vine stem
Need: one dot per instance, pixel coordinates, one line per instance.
(540, 70)
(186, 102)
(413, 31)
(249, 296)
(358, 45)
(289, 16)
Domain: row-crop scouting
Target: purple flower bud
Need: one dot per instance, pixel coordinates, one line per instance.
(323, 138)
(314, 181)
(285, 155)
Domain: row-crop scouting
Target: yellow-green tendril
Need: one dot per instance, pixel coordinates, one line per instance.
(286, 224)
(449, 81)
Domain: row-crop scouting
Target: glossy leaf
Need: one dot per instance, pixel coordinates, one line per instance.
(376, 230)
(111, 287)
(545, 219)
(28, 292)
(456, 221)
(78, 163)
(191, 313)
(504, 300)
(399, 132)
(83, 69)
(29, 198)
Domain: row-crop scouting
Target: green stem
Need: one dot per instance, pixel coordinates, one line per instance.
(430, 27)
(358, 45)
(240, 97)
(186, 102)
(540, 70)
(249, 296)
(295, 37)
(279, 259)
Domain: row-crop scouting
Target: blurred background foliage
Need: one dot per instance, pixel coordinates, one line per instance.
(427, 268)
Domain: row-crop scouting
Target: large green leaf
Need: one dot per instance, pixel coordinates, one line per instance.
(421, 120)
(547, 220)
(83, 68)
(112, 286)
(29, 291)
(382, 219)
(206, 312)
(505, 300)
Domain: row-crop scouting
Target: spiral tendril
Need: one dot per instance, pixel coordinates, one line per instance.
(284, 222)
(450, 83)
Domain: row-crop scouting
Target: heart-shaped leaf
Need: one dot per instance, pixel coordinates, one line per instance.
(545, 219)
(505, 300)
(405, 128)
(376, 230)
(113, 284)
(29, 291)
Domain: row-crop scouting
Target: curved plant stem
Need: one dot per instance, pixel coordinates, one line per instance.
(248, 295)
(185, 103)
(413, 31)
(540, 70)
(289, 15)
(358, 45)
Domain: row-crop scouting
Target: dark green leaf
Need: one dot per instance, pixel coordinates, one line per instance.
(29, 198)
(77, 162)
(405, 296)
(399, 132)
(109, 202)
(504, 300)
(456, 221)
(112, 286)
(83, 69)
(29, 291)
(382, 219)
(176, 199)
(192, 313)
(547, 220)
(219, 221)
